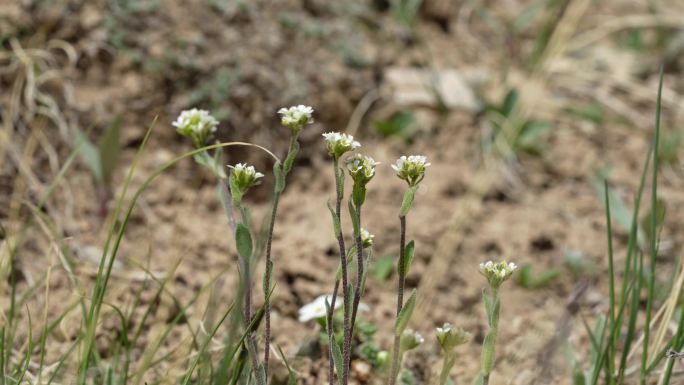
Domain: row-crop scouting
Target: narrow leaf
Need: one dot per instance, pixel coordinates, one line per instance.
(110, 150)
(243, 240)
(405, 314)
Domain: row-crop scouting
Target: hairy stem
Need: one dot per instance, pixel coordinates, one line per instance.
(331, 365)
(267, 283)
(251, 344)
(339, 189)
(400, 298)
(359, 273)
(269, 260)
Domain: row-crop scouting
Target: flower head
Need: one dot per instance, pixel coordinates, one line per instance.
(366, 238)
(449, 336)
(243, 176)
(337, 143)
(316, 309)
(411, 168)
(361, 168)
(296, 117)
(410, 340)
(497, 272)
(196, 124)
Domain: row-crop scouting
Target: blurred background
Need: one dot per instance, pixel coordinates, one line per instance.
(523, 107)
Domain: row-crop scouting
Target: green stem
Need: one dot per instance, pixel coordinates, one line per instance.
(400, 298)
(269, 261)
(447, 364)
(339, 189)
(247, 284)
(654, 235)
(359, 271)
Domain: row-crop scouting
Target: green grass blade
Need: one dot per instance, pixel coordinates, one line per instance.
(653, 240)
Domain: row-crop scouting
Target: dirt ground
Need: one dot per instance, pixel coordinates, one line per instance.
(72, 64)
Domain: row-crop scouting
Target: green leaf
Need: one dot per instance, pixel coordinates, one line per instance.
(289, 161)
(526, 279)
(235, 191)
(408, 257)
(91, 157)
(354, 218)
(402, 124)
(243, 239)
(336, 353)
(488, 352)
(510, 103)
(335, 219)
(110, 150)
(279, 177)
(383, 267)
(408, 200)
(405, 314)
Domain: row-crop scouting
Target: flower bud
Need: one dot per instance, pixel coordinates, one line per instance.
(337, 143)
(197, 125)
(410, 340)
(243, 177)
(296, 117)
(411, 168)
(449, 337)
(361, 168)
(497, 272)
(366, 238)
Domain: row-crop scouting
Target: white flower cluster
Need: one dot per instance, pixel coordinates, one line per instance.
(337, 143)
(366, 238)
(497, 272)
(410, 340)
(244, 176)
(196, 124)
(449, 336)
(296, 117)
(316, 309)
(411, 168)
(362, 168)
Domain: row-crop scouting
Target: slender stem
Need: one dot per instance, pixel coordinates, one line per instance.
(247, 311)
(251, 344)
(345, 283)
(331, 365)
(359, 276)
(446, 368)
(485, 380)
(267, 283)
(654, 236)
(400, 298)
(269, 262)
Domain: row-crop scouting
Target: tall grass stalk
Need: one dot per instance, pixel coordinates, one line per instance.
(654, 236)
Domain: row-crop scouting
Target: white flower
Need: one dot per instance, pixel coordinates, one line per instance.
(410, 340)
(361, 168)
(316, 309)
(244, 176)
(196, 124)
(296, 117)
(366, 238)
(411, 168)
(497, 272)
(337, 143)
(449, 336)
